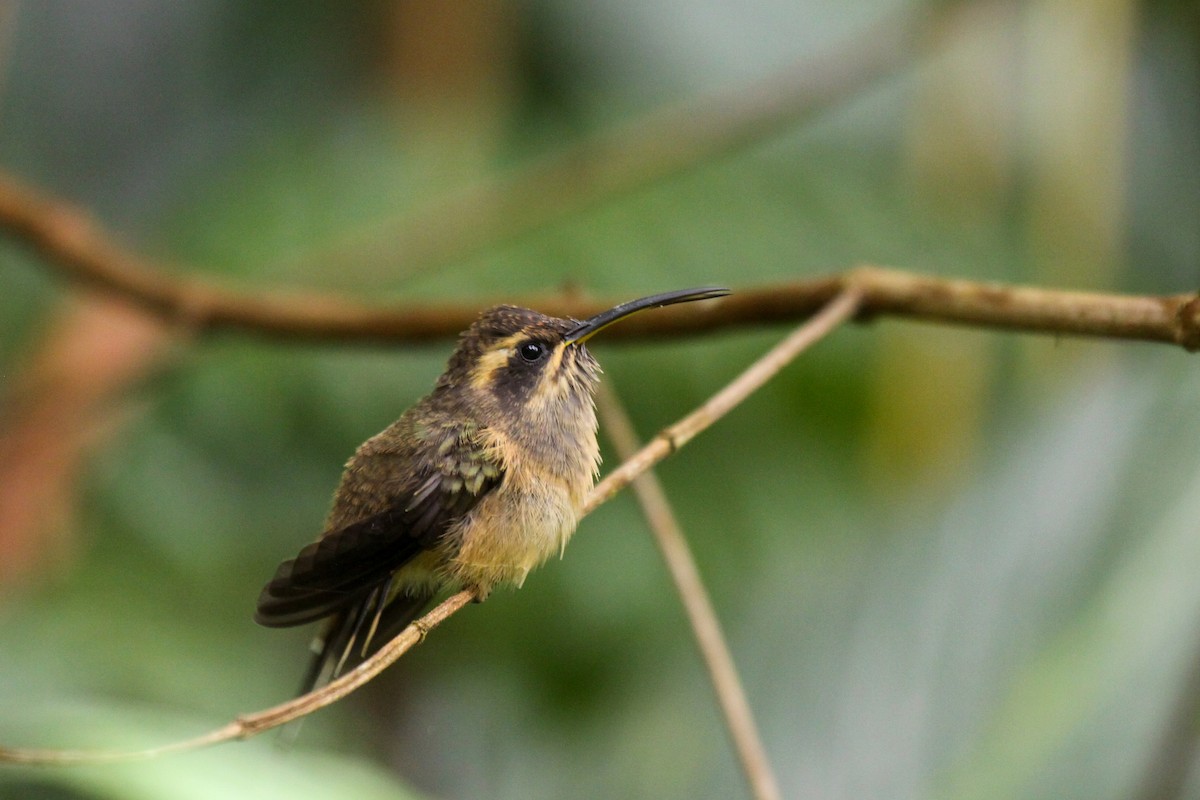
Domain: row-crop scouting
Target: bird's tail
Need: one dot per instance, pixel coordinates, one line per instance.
(352, 635)
(334, 647)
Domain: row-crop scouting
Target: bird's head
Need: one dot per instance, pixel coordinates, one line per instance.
(532, 365)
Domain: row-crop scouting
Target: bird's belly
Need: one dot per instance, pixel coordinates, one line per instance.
(512, 531)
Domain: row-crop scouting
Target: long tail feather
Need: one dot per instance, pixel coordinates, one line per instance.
(334, 645)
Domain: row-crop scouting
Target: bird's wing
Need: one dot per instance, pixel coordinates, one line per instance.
(345, 565)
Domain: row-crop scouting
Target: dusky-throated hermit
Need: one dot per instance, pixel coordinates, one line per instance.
(478, 483)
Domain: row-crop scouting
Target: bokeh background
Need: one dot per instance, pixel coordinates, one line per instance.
(951, 563)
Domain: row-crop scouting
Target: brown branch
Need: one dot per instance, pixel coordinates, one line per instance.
(1173, 319)
(247, 725)
(71, 243)
(580, 177)
(667, 441)
(67, 240)
(706, 628)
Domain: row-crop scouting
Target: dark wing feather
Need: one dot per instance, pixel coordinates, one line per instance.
(344, 566)
(337, 570)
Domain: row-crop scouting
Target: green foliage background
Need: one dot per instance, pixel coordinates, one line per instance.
(995, 598)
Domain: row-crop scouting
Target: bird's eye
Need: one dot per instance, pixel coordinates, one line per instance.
(532, 351)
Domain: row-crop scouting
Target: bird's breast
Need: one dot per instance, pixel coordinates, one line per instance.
(527, 519)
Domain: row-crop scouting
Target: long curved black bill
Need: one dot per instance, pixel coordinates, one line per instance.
(590, 327)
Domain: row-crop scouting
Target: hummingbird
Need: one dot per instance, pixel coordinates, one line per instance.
(472, 487)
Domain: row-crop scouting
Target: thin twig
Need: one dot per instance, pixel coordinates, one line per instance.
(247, 725)
(706, 628)
(667, 441)
(69, 242)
